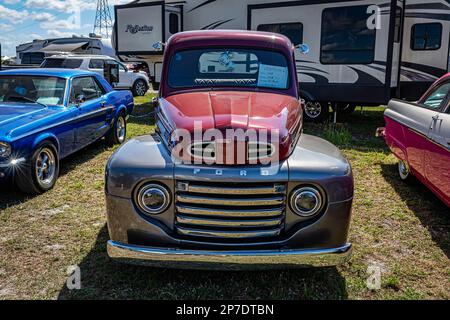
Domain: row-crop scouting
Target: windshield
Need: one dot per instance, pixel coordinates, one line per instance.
(32, 89)
(62, 63)
(228, 67)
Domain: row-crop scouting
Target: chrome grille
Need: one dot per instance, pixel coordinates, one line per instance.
(230, 210)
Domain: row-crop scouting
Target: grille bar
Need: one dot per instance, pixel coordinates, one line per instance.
(230, 202)
(276, 189)
(229, 210)
(229, 234)
(228, 223)
(238, 213)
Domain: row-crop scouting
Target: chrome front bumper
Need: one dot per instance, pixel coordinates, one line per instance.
(228, 260)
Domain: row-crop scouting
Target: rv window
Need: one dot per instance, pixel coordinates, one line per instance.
(294, 31)
(174, 26)
(345, 36)
(96, 64)
(426, 36)
(62, 63)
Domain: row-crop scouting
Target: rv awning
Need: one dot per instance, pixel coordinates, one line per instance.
(63, 47)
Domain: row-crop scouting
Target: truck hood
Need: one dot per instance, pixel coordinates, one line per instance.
(236, 110)
(16, 115)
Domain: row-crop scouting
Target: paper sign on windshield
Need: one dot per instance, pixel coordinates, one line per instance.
(272, 76)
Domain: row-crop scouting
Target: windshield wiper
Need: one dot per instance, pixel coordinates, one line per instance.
(27, 100)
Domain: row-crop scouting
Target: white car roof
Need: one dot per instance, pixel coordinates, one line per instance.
(80, 56)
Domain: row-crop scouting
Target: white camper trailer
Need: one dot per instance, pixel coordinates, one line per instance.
(362, 52)
(35, 52)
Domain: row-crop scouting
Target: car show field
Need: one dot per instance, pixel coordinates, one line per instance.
(400, 230)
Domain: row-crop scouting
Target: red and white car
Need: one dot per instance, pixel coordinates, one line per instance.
(418, 133)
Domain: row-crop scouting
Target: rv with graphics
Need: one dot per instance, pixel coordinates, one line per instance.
(362, 52)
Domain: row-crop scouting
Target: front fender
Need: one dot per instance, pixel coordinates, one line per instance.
(46, 136)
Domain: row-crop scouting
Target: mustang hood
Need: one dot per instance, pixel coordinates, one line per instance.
(15, 115)
(236, 110)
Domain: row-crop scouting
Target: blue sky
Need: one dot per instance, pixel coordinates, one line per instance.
(25, 20)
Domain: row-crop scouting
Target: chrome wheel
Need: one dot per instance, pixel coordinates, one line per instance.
(140, 88)
(313, 109)
(121, 129)
(45, 167)
(403, 170)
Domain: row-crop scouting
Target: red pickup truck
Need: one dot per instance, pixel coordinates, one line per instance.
(229, 180)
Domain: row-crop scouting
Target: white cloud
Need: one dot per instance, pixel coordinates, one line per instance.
(12, 15)
(59, 34)
(6, 27)
(62, 6)
(42, 16)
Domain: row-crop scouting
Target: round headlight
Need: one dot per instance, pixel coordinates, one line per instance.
(306, 201)
(153, 199)
(5, 150)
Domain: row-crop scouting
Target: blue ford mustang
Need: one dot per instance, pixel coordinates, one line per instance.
(48, 114)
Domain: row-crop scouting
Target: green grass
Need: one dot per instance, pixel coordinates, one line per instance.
(405, 230)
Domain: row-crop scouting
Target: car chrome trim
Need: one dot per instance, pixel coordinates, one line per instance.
(253, 213)
(224, 260)
(231, 202)
(189, 187)
(194, 221)
(222, 234)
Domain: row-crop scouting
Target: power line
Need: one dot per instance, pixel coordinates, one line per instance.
(103, 21)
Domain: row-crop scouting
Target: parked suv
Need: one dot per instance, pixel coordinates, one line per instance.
(137, 82)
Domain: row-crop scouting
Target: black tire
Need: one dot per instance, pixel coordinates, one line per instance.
(345, 108)
(39, 174)
(404, 172)
(140, 88)
(315, 111)
(118, 134)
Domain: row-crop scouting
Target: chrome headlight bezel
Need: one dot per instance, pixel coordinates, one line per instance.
(158, 189)
(5, 149)
(310, 191)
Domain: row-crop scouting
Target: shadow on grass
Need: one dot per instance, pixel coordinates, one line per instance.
(105, 279)
(431, 211)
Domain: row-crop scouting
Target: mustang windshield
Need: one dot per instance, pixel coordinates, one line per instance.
(228, 68)
(29, 89)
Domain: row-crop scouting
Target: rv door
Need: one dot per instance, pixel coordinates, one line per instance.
(173, 20)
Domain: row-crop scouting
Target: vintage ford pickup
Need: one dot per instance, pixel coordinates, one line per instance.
(418, 133)
(229, 180)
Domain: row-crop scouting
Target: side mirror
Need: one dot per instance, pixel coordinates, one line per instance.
(158, 46)
(80, 100)
(303, 48)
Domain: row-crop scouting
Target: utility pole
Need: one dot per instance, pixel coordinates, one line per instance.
(103, 21)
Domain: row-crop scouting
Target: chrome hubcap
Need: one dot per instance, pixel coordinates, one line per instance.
(45, 167)
(313, 109)
(121, 129)
(403, 170)
(140, 88)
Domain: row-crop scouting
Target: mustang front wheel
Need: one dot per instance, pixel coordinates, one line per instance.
(41, 172)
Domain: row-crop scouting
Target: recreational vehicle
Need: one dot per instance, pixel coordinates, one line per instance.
(362, 52)
(34, 53)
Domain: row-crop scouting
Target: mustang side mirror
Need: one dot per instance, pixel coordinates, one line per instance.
(303, 48)
(80, 100)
